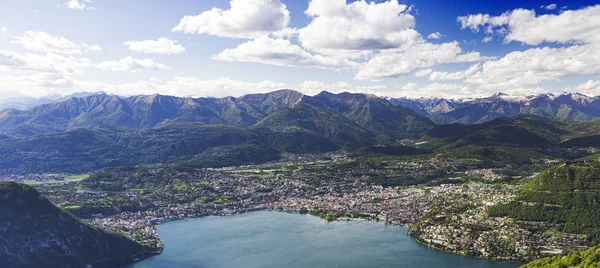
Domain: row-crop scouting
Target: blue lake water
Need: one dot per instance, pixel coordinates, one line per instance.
(277, 239)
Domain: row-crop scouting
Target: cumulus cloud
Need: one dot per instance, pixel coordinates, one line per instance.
(394, 63)
(357, 26)
(577, 30)
(423, 72)
(590, 88)
(244, 19)
(413, 90)
(280, 52)
(311, 87)
(192, 86)
(522, 25)
(285, 33)
(130, 64)
(50, 62)
(375, 39)
(4, 32)
(79, 5)
(436, 35)
(160, 46)
(439, 76)
(52, 80)
(536, 65)
(92, 48)
(44, 42)
(550, 7)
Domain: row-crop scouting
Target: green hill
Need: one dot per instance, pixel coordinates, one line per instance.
(35, 233)
(374, 114)
(523, 131)
(567, 195)
(83, 150)
(314, 121)
(577, 259)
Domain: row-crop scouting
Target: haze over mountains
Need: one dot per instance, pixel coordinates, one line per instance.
(25, 102)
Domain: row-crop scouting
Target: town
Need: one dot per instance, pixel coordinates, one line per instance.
(443, 201)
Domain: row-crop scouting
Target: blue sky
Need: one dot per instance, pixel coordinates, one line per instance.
(380, 47)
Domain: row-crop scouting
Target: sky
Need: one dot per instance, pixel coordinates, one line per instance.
(217, 48)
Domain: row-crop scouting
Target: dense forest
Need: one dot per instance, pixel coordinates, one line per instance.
(567, 195)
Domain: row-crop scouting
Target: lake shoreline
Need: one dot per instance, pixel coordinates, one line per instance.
(297, 212)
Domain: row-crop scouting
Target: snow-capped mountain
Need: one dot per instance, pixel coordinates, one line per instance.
(573, 106)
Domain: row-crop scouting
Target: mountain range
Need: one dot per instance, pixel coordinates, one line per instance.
(81, 134)
(138, 112)
(103, 130)
(249, 109)
(570, 106)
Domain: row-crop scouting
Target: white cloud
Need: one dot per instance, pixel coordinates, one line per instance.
(44, 42)
(590, 88)
(550, 7)
(9, 58)
(4, 32)
(50, 62)
(394, 63)
(79, 5)
(487, 39)
(160, 46)
(436, 35)
(35, 85)
(376, 38)
(577, 30)
(438, 76)
(46, 84)
(522, 25)
(280, 52)
(474, 22)
(52, 80)
(131, 64)
(285, 33)
(413, 90)
(537, 65)
(409, 86)
(315, 87)
(423, 72)
(244, 19)
(359, 25)
(192, 86)
(92, 48)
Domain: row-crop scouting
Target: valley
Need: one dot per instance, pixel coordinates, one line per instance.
(464, 189)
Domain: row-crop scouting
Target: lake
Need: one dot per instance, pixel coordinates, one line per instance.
(278, 239)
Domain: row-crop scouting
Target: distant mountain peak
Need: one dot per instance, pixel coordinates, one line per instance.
(574, 106)
(499, 94)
